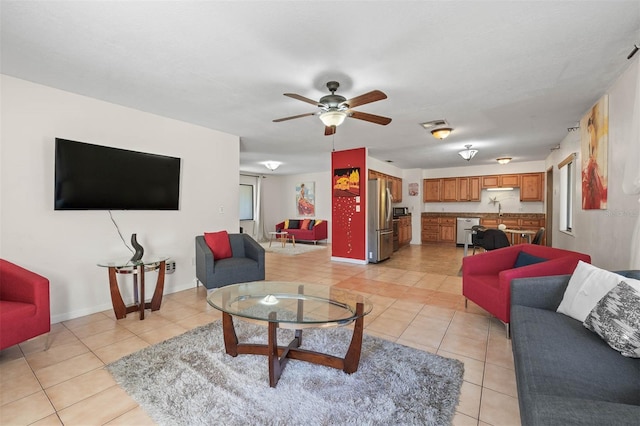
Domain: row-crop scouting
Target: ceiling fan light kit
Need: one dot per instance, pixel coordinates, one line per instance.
(503, 160)
(469, 153)
(333, 118)
(441, 133)
(334, 109)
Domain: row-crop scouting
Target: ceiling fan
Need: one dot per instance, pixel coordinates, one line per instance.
(335, 108)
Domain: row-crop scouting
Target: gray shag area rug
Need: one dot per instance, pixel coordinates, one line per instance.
(190, 380)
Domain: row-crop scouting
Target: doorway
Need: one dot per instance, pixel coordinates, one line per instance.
(549, 209)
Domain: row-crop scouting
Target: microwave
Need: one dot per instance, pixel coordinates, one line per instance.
(400, 211)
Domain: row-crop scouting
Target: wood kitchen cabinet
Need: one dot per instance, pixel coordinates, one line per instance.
(404, 230)
(501, 181)
(532, 187)
(396, 184)
(430, 229)
(469, 188)
(447, 230)
(396, 189)
(438, 229)
(449, 189)
(431, 190)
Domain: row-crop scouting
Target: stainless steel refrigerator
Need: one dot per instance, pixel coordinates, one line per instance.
(380, 217)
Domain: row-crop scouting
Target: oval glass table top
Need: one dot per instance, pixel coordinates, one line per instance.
(292, 303)
(128, 263)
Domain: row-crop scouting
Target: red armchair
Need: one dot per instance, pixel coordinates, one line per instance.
(24, 304)
(486, 277)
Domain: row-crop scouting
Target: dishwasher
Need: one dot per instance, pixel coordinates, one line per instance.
(463, 223)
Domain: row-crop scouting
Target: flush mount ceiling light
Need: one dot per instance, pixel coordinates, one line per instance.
(272, 165)
(333, 118)
(442, 132)
(503, 160)
(469, 153)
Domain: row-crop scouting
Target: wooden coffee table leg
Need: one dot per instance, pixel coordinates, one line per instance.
(229, 333)
(352, 358)
(275, 369)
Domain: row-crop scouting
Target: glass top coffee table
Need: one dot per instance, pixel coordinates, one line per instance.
(294, 306)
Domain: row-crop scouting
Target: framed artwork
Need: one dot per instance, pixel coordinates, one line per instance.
(413, 189)
(306, 199)
(346, 182)
(594, 144)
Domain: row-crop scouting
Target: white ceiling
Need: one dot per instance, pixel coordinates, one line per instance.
(509, 76)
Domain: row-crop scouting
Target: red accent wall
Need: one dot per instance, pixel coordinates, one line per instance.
(349, 232)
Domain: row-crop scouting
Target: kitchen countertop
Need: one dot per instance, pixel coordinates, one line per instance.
(486, 215)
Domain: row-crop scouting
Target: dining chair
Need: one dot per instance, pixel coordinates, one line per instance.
(537, 239)
(477, 235)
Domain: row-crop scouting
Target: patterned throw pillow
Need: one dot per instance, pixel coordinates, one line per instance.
(616, 318)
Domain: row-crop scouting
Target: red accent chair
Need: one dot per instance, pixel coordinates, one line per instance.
(24, 304)
(486, 277)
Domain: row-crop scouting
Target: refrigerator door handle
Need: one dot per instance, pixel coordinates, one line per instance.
(389, 201)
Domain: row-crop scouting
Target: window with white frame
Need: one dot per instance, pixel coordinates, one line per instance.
(567, 185)
(246, 202)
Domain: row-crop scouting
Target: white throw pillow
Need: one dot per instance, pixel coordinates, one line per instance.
(587, 286)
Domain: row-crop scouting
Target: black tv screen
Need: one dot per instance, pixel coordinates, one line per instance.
(95, 177)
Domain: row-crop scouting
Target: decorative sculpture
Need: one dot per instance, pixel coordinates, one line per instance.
(139, 249)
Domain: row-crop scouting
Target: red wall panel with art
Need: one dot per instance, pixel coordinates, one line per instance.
(348, 200)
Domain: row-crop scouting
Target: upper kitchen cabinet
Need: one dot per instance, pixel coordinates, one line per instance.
(501, 181)
(396, 189)
(431, 190)
(531, 187)
(449, 189)
(396, 184)
(469, 188)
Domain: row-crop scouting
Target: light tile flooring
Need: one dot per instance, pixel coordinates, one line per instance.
(417, 302)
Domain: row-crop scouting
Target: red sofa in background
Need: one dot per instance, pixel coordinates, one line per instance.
(24, 304)
(486, 277)
(293, 227)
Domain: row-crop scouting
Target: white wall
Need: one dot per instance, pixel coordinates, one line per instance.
(64, 246)
(605, 234)
(279, 198)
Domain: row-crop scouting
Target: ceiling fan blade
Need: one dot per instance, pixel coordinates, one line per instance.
(329, 130)
(374, 95)
(294, 116)
(377, 119)
(303, 99)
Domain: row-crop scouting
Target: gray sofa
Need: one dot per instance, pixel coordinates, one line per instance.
(247, 263)
(566, 374)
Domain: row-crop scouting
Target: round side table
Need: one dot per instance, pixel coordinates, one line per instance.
(137, 268)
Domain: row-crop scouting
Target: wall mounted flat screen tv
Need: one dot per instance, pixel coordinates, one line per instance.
(95, 177)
